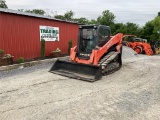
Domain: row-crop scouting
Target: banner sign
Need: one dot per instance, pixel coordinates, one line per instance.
(49, 33)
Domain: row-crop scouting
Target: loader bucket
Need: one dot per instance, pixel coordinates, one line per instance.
(76, 70)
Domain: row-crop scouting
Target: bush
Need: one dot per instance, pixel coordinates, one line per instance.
(42, 48)
(57, 50)
(69, 46)
(1, 52)
(20, 60)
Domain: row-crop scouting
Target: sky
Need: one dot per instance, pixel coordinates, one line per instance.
(135, 11)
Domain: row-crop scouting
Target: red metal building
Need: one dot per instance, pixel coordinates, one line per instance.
(20, 34)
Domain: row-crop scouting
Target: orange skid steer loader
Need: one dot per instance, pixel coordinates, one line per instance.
(96, 54)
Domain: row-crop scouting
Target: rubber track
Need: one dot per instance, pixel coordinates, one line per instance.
(108, 64)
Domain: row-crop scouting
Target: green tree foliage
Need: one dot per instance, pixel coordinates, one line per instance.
(131, 28)
(42, 48)
(119, 28)
(81, 20)
(147, 30)
(61, 17)
(156, 24)
(107, 18)
(128, 28)
(20, 60)
(35, 11)
(151, 29)
(67, 16)
(3, 4)
(69, 46)
(92, 21)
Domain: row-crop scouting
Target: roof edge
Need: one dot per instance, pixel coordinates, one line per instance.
(32, 15)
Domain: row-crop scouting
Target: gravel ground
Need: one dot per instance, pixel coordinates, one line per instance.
(132, 93)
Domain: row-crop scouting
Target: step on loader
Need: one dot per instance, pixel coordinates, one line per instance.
(96, 54)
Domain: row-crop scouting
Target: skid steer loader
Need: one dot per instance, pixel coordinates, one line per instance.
(96, 54)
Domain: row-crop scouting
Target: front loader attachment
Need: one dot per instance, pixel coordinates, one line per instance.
(76, 70)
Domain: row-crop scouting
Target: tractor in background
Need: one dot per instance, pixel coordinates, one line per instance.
(139, 45)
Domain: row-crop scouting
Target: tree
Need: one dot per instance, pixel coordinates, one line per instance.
(132, 28)
(107, 18)
(59, 17)
(128, 28)
(35, 11)
(81, 20)
(147, 31)
(92, 21)
(38, 11)
(156, 23)
(151, 30)
(119, 28)
(3, 4)
(69, 15)
(50, 13)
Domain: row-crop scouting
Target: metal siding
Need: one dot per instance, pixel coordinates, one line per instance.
(20, 37)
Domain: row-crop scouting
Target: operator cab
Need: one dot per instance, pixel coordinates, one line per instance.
(90, 37)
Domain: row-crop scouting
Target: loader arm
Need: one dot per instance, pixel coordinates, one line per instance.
(117, 39)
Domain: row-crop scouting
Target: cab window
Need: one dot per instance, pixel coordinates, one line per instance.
(103, 36)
